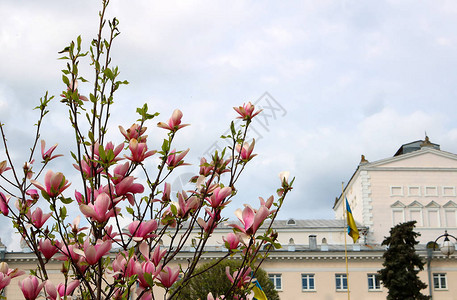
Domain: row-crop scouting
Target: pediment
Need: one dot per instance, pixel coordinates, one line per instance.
(424, 158)
(433, 204)
(398, 204)
(415, 204)
(450, 204)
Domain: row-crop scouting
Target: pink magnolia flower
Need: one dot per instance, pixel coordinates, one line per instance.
(51, 290)
(55, 184)
(246, 111)
(139, 151)
(101, 210)
(132, 266)
(146, 267)
(243, 277)
(186, 205)
(213, 218)
(47, 248)
(66, 290)
(267, 203)
(30, 287)
(3, 167)
(219, 195)
(4, 280)
(75, 225)
(6, 274)
(205, 167)
(33, 194)
(109, 234)
(284, 177)
(4, 269)
(174, 160)
(119, 172)
(28, 169)
(220, 164)
(168, 276)
(250, 219)
(62, 290)
(140, 231)
(166, 194)
(174, 123)
(4, 204)
(109, 150)
(93, 253)
(134, 132)
(89, 169)
(38, 218)
(232, 241)
(211, 297)
(127, 188)
(246, 150)
(47, 156)
(68, 252)
(157, 254)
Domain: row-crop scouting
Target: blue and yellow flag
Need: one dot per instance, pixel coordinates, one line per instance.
(352, 228)
(258, 292)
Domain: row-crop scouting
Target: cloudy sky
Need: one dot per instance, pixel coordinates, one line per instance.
(336, 79)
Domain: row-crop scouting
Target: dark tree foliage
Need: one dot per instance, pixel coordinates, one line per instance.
(402, 264)
(215, 281)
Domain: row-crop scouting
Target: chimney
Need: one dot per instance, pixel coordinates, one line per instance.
(312, 242)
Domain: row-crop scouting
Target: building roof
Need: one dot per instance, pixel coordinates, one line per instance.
(416, 145)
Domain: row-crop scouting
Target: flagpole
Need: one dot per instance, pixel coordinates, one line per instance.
(345, 241)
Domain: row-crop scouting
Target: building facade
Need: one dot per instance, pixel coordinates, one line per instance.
(418, 183)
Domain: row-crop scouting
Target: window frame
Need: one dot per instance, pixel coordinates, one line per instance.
(437, 279)
(376, 282)
(340, 279)
(394, 189)
(310, 282)
(276, 278)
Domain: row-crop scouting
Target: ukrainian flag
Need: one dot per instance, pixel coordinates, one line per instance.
(258, 292)
(352, 228)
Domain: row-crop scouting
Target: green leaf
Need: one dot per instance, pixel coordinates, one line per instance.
(63, 212)
(232, 128)
(65, 80)
(129, 210)
(66, 200)
(174, 210)
(148, 278)
(165, 146)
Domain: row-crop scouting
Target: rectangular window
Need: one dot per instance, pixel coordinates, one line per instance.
(307, 282)
(449, 191)
(414, 191)
(276, 279)
(450, 218)
(433, 218)
(396, 191)
(439, 281)
(341, 282)
(416, 215)
(431, 191)
(398, 216)
(374, 283)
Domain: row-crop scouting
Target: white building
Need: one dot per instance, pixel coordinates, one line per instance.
(418, 183)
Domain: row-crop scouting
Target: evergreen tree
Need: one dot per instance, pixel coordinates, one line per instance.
(215, 281)
(402, 264)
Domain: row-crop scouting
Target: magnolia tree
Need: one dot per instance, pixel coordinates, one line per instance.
(104, 260)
